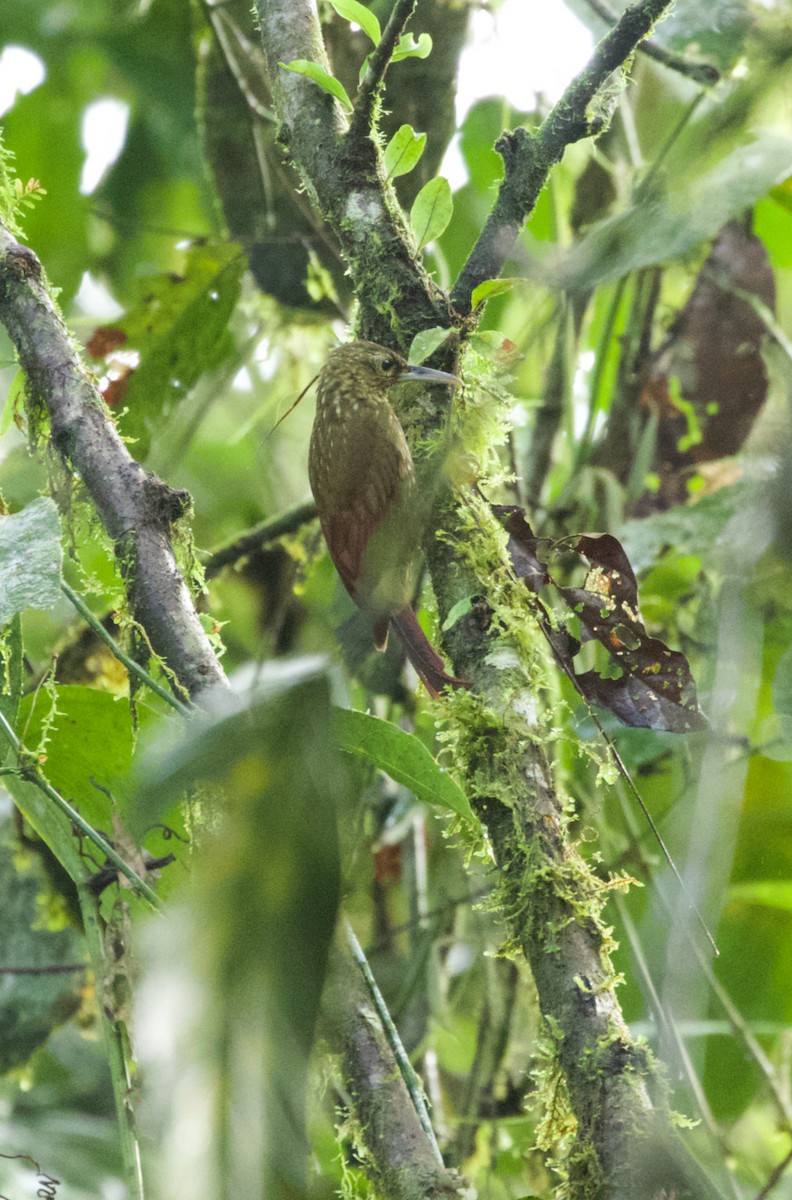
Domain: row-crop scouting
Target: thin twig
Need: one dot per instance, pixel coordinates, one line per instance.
(408, 1074)
(699, 72)
(360, 126)
(663, 1019)
(268, 531)
(529, 157)
(53, 969)
(244, 60)
(741, 1028)
(117, 1049)
(125, 659)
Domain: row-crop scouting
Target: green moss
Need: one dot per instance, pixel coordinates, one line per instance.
(557, 1126)
(16, 196)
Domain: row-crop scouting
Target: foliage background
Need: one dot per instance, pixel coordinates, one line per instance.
(219, 362)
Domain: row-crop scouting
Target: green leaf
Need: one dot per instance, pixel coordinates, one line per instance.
(351, 10)
(32, 1005)
(209, 744)
(50, 824)
(458, 611)
(769, 893)
(694, 208)
(490, 288)
(179, 328)
(30, 559)
(328, 83)
(782, 194)
(91, 735)
(403, 151)
(431, 211)
(401, 756)
(407, 47)
(690, 528)
(425, 343)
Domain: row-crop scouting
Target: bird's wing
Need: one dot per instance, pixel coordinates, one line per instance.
(374, 466)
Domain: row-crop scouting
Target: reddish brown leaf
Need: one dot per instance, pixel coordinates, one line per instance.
(522, 546)
(114, 393)
(655, 689)
(104, 340)
(388, 863)
(708, 381)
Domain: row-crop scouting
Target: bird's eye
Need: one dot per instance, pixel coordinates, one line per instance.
(387, 365)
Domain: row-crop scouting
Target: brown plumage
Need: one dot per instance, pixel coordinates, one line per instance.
(363, 480)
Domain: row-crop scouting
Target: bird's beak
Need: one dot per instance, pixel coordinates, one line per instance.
(428, 375)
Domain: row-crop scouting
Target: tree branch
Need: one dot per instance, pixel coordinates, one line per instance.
(529, 157)
(626, 1144)
(370, 87)
(699, 72)
(399, 1154)
(254, 539)
(364, 214)
(138, 510)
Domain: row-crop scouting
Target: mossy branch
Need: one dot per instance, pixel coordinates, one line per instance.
(137, 509)
(626, 1144)
(342, 176)
(529, 157)
(700, 72)
(254, 539)
(398, 1154)
(371, 85)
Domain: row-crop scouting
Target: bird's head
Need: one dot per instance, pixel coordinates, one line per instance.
(369, 369)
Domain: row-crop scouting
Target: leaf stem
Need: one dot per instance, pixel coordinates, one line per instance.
(408, 1073)
(116, 1046)
(133, 667)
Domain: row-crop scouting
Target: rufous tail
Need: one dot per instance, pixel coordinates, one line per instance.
(422, 654)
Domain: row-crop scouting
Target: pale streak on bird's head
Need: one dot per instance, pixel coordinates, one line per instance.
(364, 370)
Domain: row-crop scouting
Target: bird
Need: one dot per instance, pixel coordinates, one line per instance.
(363, 480)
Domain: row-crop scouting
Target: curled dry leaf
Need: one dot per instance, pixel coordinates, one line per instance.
(655, 689)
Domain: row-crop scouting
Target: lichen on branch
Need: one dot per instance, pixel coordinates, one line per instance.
(137, 509)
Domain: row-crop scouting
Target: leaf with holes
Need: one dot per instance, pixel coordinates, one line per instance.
(522, 546)
(656, 689)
